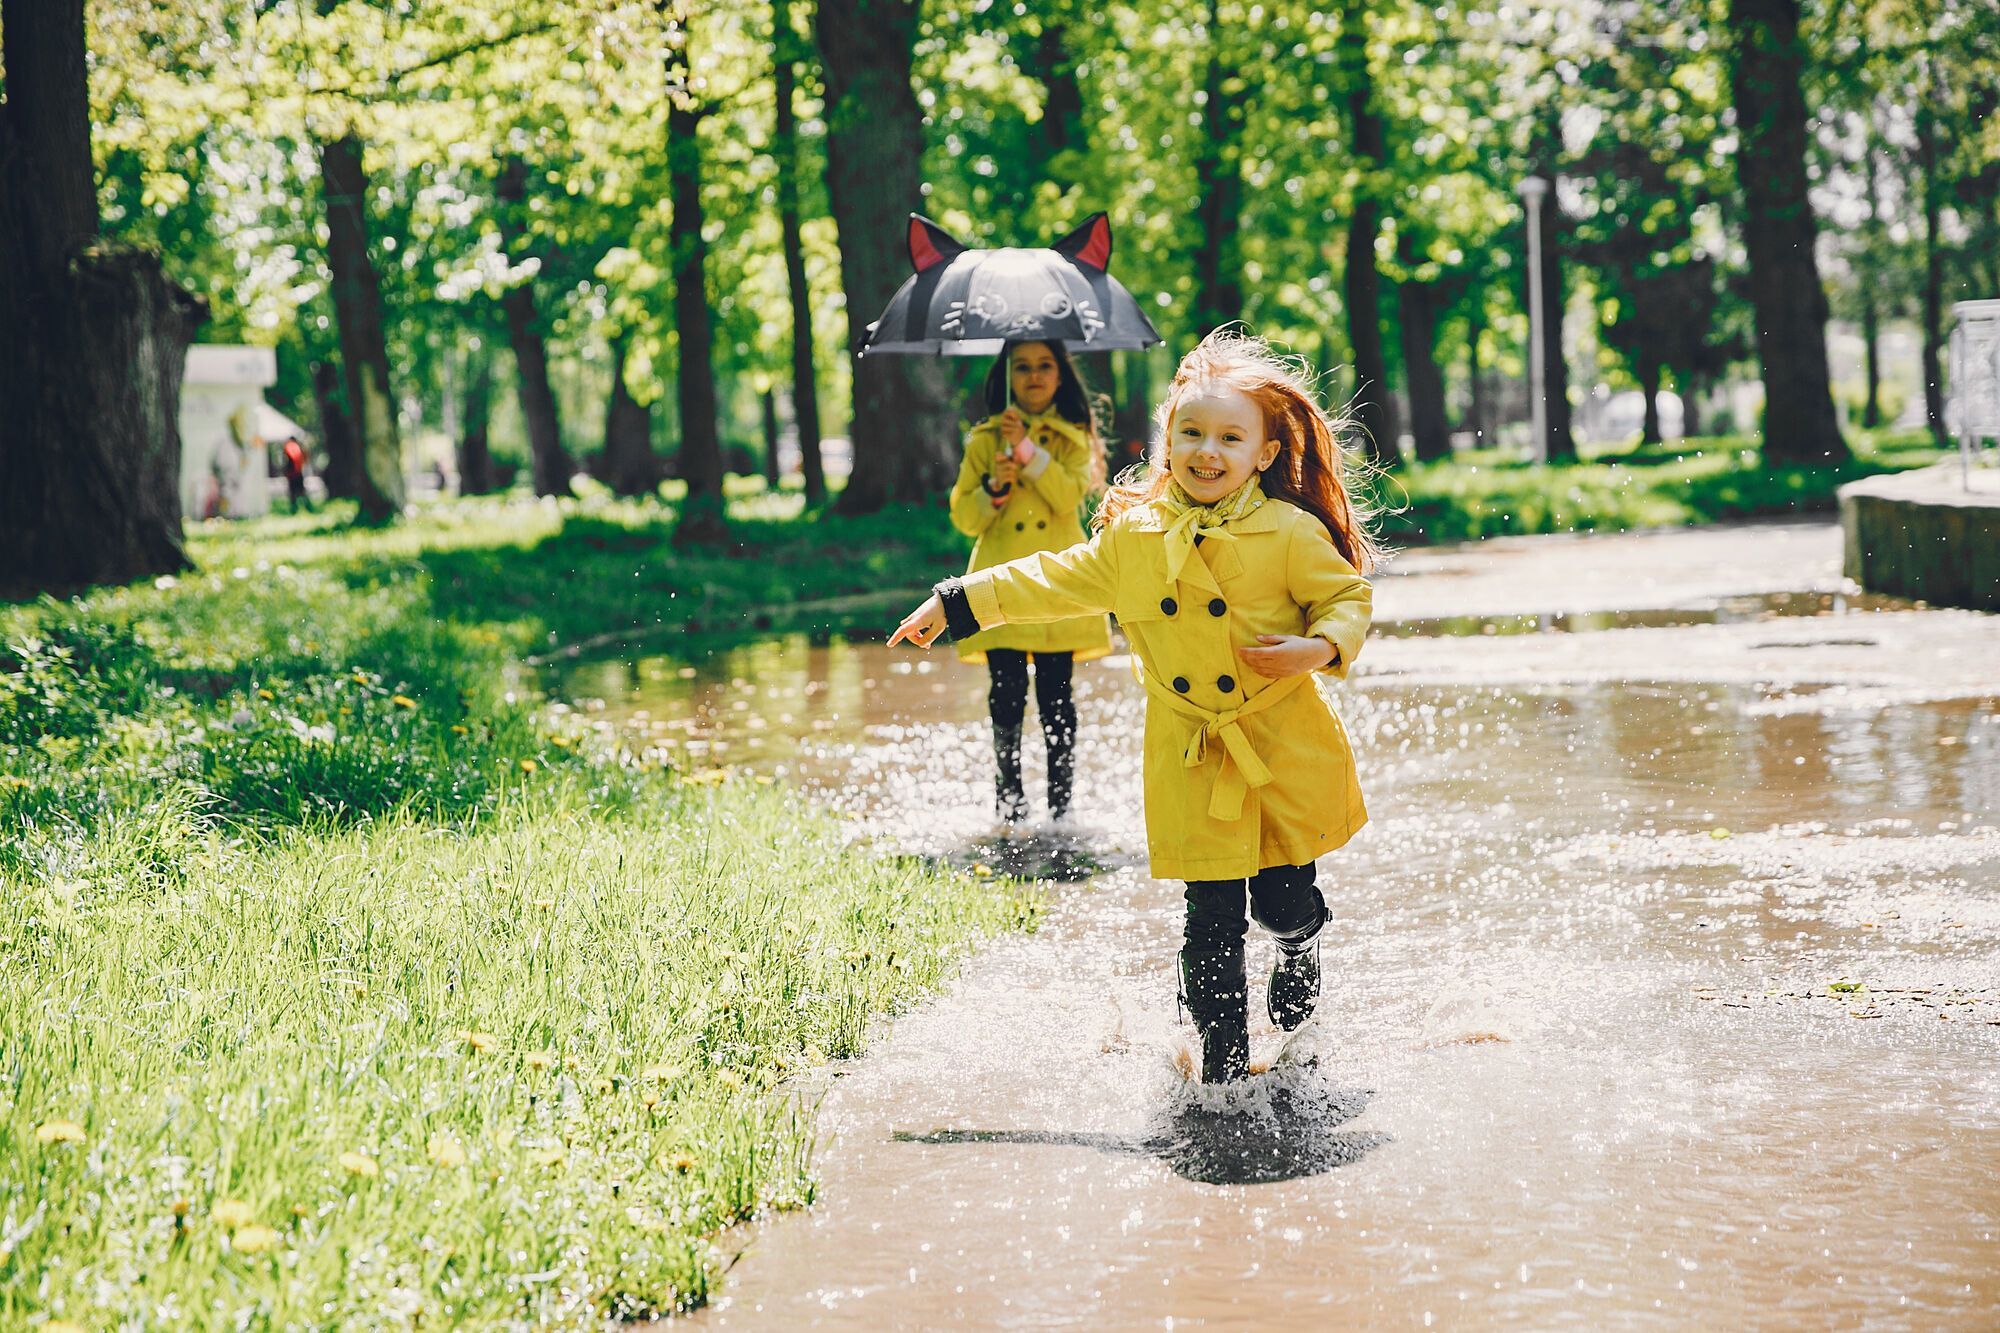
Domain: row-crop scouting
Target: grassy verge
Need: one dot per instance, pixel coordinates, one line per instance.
(1683, 483)
(338, 990)
(548, 572)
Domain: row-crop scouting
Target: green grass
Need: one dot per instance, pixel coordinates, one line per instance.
(338, 988)
(544, 573)
(1685, 482)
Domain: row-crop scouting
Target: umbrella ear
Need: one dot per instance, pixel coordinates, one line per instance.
(1089, 245)
(930, 244)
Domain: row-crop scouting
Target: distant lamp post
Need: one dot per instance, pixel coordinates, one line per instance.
(1975, 377)
(1532, 190)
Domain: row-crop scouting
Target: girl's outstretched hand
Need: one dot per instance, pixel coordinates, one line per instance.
(923, 625)
(1282, 655)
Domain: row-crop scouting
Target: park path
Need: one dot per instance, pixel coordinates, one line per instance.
(1662, 991)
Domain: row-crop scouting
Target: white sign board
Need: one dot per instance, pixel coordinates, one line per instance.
(225, 467)
(1975, 377)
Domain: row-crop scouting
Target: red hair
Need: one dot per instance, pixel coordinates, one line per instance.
(1313, 460)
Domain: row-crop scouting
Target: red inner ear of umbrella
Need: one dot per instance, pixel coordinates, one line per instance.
(1096, 251)
(923, 254)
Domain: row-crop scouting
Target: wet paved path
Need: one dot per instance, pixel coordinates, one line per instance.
(1663, 991)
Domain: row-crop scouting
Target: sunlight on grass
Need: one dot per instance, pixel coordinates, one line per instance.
(341, 987)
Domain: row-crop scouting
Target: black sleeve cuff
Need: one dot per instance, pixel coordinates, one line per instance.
(959, 622)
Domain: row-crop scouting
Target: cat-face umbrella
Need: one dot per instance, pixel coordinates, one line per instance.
(962, 302)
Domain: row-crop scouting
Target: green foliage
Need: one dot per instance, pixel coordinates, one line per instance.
(1680, 483)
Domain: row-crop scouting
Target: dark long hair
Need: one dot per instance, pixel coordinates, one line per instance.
(1072, 402)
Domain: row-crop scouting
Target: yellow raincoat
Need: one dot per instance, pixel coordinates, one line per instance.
(1242, 772)
(1041, 514)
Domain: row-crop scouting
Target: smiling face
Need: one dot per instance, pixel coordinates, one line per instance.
(1034, 374)
(1215, 442)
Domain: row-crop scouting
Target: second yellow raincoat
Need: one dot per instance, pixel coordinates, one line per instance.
(1241, 772)
(1041, 514)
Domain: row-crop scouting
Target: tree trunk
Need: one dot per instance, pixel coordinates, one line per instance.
(548, 460)
(1475, 373)
(785, 151)
(1430, 431)
(1561, 443)
(475, 454)
(630, 465)
(1374, 410)
(903, 427)
(93, 340)
(1218, 169)
(1691, 391)
(1649, 387)
(1779, 233)
(1871, 310)
(1132, 420)
(1934, 340)
(1061, 129)
(364, 350)
(771, 477)
(701, 520)
(342, 472)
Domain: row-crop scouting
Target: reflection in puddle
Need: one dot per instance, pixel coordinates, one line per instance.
(1604, 957)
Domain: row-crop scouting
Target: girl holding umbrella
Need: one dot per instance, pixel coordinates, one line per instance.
(1027, 470)
(1036, 456)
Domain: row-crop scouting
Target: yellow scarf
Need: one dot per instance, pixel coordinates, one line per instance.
(1190, 521)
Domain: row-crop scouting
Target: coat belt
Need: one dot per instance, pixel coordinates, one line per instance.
(1242, 769)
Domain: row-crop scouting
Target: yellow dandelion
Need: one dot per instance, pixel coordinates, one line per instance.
(1718, 833)
(446, 1151)
(360, 678)
(233, 1213)
(765, 779)
(541, 1059)
(255, 1240)
(730, 1079)
(545, 904)
(649, 1099)
(180, 1207)
(983, 870)
(562, 741)
(661, 1073)
(603, 1087)
(460, 729)
(265, 694)
(402, 701)
(359, 1164)
(60, 1131)
(478, 1041)
(529, 765)
(682, 1162)
(300, 1211)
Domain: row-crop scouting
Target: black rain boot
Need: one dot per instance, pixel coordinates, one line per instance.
(1216, 995)
(1011, 798)
(1294, 989)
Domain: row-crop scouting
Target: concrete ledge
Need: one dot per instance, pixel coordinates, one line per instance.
(1922, 535)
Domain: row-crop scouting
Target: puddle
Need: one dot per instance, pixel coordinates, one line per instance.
(1649, 999)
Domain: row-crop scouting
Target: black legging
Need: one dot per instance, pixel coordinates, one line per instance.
(1007, 697)
(1285, 900)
